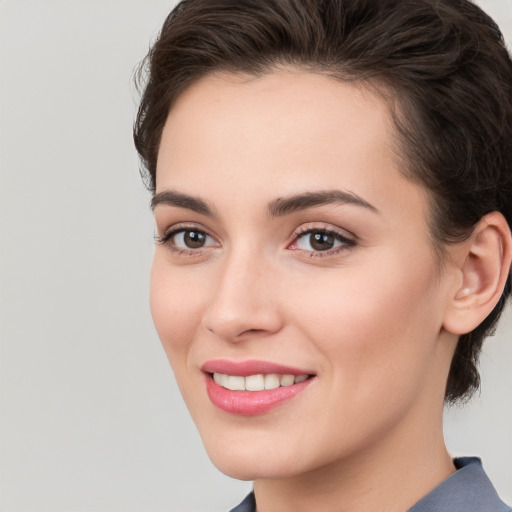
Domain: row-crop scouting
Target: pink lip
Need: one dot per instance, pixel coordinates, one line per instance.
(245, 368)
(250, 403)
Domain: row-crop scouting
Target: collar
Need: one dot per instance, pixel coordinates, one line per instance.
(467, 490)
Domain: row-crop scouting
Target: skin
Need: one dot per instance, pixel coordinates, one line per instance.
(367, 318)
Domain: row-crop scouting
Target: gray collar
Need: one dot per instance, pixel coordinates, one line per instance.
(467, 490)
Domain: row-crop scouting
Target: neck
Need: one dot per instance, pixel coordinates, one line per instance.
(390, 476)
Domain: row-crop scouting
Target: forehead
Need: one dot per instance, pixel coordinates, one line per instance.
(279, 134)
(284, 110)
(281, 99)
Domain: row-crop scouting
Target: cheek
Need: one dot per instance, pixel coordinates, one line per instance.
(176, 309)
(376, 327)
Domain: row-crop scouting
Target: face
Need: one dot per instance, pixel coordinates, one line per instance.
(294, 286)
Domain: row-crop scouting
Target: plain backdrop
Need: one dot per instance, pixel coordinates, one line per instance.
(91, 418)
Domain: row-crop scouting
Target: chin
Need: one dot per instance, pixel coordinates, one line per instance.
(246, 460)
(239, 470)
(254, 468)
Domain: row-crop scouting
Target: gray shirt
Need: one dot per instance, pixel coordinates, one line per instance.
(467, 490)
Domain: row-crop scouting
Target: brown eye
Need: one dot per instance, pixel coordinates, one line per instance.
(187, 240)
(193, 239)
(321, 241)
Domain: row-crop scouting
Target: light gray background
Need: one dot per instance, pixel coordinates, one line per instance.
(91, 419)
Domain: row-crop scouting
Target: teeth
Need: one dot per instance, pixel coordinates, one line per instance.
(287, 380)
(236, 383)
(256, 382)
(271, 381)
(221, 379)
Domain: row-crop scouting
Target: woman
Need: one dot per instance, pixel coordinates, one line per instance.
(332, 190)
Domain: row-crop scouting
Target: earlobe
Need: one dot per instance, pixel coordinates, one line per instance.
(484, 268)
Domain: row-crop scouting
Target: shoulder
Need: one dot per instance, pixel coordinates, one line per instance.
(248, 505)
(467, 490)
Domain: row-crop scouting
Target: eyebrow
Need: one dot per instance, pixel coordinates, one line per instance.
(276, 208)
(286, 205)
(173, 198)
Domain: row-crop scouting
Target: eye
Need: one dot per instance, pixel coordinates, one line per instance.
(191, 239)
(186, 240)
(316, 240)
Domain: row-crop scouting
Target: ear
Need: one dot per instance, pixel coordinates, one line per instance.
(483, 269)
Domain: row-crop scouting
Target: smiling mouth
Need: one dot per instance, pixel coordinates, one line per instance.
(253, 387)
(258, 382)
(249, 395)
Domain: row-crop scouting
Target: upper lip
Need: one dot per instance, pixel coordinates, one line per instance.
(250, 367)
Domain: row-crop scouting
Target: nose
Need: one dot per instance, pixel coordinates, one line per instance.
(244, 304)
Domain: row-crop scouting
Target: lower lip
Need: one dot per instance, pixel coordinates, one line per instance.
(250, 403)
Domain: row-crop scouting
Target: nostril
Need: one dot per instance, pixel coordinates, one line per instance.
(239, 319)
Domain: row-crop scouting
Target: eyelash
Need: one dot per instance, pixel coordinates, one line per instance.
(166, 237)
(346, 242)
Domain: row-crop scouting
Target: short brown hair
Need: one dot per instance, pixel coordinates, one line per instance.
(445, 61)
